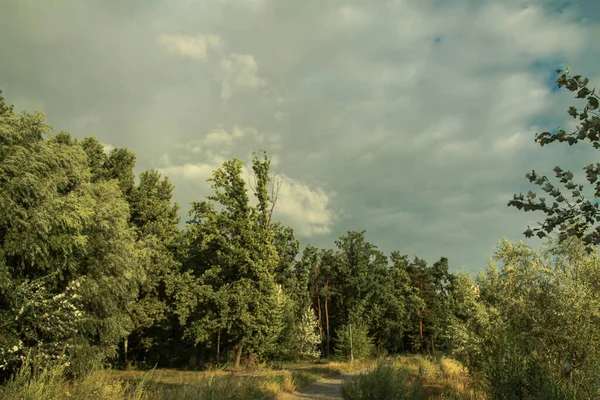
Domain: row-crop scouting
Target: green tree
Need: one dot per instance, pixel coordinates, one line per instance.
(306, 336)
(57, 227)
(235, 259)
(533, 329)
(155, 219)
(571, 213)
(353, 341)
(400, 302)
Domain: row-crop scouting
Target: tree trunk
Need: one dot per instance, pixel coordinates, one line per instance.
(327, 320)
(421, 328)
(238, 356)
(351, 349)
(218, 347)
(320, 322)
(317, 293)
(125, 349)
(421, 315)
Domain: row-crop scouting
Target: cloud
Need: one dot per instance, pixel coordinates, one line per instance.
(304, 207)
(240, 72)
(236, 71)
(412, 120)
(307, 210)
(196, 47)
(193, 172)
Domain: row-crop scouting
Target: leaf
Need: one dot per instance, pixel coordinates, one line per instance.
(592, 102)
(547, 187)
(572, 112)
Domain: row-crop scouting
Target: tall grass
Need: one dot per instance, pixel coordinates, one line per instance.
(36, 380)
(384, 382)
(48, 381)
(412, 377)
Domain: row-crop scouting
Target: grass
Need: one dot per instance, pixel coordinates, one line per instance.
(412, 377)
(48, 382)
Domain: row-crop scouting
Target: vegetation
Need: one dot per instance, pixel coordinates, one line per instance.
(43, 380)
(579, 216)
(96, 275)
(412, 377)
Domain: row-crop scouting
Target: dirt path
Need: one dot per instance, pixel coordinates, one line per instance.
(325, 389)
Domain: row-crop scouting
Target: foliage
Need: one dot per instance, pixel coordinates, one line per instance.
(92, 262)
(241, 297)
(306, 338)
(41, 322)
(382, 383)
(577, 217)
(412, 377)
(534, 325)
(59, 229)
(353, 340)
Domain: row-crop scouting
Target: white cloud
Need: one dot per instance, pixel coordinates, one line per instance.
(196, 47)
(191, 172)
(240, 71)
(514, 142)
(306, 209)
(236, 71)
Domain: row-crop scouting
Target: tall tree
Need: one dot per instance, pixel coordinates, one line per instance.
(235, 257)
(59, 233)
(155, 219)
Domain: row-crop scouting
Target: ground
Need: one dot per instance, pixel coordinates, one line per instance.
(328, 388)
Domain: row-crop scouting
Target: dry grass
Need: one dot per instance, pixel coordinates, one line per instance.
(259, 383)
(421, 378)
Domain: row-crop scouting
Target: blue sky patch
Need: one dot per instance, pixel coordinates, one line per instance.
(548, 68)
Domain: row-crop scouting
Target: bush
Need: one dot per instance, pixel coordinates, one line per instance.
(383, 383)
(509, 374)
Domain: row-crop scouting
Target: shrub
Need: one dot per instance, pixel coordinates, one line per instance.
(382, 383)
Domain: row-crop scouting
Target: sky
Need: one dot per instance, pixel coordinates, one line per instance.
(412, 120)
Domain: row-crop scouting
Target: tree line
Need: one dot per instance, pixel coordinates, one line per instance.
(95, 269)
(95, 266)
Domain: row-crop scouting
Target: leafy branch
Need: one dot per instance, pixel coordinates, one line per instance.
(575, 217)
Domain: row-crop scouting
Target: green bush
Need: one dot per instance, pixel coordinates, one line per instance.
(508, 374)
(383, 383)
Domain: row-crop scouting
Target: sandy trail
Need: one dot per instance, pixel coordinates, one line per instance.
(325, 389)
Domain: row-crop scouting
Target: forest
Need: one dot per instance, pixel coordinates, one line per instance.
(96, 273)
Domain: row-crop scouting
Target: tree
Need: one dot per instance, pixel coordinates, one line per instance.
(530, 329)
(307, 336)
(353, 340)
(235, 259)
(155, 219)
(58, 228)
(400, 302)
(577, 217)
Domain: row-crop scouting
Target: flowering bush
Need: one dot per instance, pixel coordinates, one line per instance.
(41, 322)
